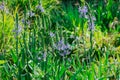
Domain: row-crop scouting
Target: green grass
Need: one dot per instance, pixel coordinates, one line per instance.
(56, 44)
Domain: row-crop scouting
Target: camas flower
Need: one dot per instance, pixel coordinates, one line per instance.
(64, 49)
(31, 14)
(84, 14)
(2, 6)
(17, 31)
(40, 8)
(44, 56)
(23, 21)
(52, 34)
(91, 23)
(27, 22)
(83, 11)
(64, 53)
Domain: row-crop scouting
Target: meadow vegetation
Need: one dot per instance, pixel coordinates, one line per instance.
(59, 39)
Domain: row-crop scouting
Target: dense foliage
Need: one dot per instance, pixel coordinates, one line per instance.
(59, 39)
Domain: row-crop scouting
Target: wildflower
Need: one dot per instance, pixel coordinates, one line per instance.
(83, 14)
(39, 58)
(44, 55)
(60, 45)
(40, 8)
(23, 21)
(64, 49)
(93, 18)
(2, 6)
(27, 22)
(52, 34)
(31, 14)
(19, 30)
(91, 23)
(65, 52)
(83, 11)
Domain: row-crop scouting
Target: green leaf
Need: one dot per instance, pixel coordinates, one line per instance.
(2, 62)
(82, 1)
(14, 56)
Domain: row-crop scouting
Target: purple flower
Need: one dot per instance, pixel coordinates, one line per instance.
(64, 53)
(83, 11)
(31, 14)
(60, 45)
(83, 14)
(17, 31)
(40, 8)
(64, 49)
(27, 22)
(91, 24)
(52, 34)
(93, 18)
(23, 21)
(44, 55)
(2, 6)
